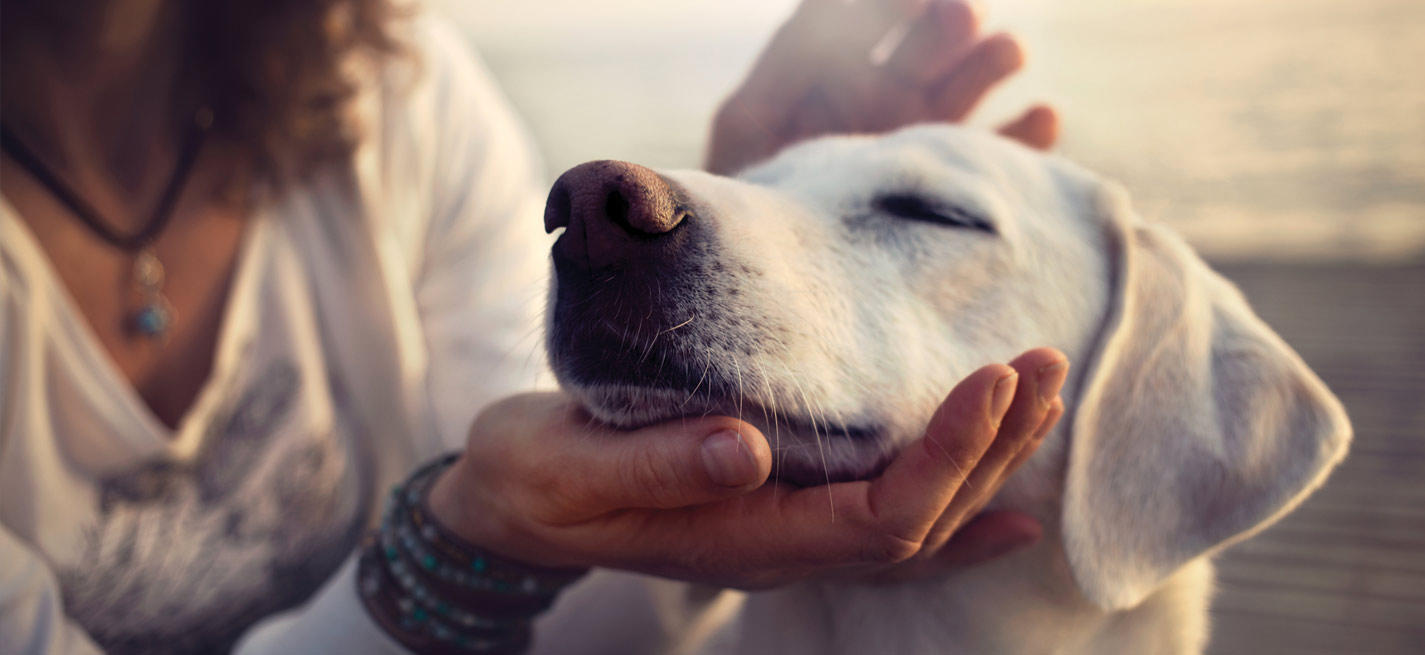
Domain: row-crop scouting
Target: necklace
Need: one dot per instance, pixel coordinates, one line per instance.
(154, 314)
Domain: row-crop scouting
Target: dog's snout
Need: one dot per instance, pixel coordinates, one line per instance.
(610, 211)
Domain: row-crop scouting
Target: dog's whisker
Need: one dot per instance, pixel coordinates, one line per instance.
(737, 371)
(683, 324)
(769, 415)
(821, 449)
(649, 350)
(699, 385)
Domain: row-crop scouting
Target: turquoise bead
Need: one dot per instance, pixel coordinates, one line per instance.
(152, 320)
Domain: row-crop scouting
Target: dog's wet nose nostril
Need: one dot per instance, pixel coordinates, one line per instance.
(616, 210)
(611, 211)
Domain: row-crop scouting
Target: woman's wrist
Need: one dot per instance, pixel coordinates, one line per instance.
(434, 591)
(446, 506)
(449, 503)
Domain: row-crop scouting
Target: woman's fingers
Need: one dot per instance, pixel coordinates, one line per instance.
(955, 542)
(851, 27)
(988, 63)
(665, 466)
(1042, 372)
(554, 463)
(1037, 127)
(934, 42)
(852, 66)
(1051, 418)
(927, 475)
(823, 41)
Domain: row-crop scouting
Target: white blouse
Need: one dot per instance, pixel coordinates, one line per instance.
(374, 311)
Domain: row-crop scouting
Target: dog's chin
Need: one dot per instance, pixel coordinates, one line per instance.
(806, 452)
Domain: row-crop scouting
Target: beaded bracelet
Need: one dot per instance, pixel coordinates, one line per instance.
(436, 593)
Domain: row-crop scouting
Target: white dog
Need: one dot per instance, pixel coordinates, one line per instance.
(833, 295)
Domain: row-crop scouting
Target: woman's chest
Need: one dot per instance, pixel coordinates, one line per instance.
(183, 278)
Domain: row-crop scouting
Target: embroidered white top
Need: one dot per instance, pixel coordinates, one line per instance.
(374, 311)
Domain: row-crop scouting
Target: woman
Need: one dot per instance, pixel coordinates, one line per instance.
(262, 259)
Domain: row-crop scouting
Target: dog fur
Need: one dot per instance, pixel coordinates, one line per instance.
(800, 303)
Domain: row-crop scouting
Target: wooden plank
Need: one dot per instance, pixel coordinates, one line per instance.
(1248, 631)
(1346, 572)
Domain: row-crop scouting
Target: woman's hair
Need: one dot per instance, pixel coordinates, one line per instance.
(278, 75)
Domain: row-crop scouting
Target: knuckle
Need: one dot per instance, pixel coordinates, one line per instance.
(651, 478)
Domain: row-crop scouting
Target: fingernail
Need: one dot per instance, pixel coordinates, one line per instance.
(1003, 395)
(1056, 411)
(728, 460)
(1051, 380)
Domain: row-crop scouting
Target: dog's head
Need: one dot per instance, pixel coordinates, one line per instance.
(832, 295)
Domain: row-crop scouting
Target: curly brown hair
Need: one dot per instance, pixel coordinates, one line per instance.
(278, 75)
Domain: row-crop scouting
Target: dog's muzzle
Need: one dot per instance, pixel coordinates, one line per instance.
(627, 268)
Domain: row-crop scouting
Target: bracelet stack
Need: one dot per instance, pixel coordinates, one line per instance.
(435, 593)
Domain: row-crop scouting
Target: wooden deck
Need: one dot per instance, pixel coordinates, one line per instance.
(1345, 573)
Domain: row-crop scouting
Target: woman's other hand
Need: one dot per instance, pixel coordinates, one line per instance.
(689, 500)
(868, 66)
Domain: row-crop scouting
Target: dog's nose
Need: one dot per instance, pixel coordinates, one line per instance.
(610, 211)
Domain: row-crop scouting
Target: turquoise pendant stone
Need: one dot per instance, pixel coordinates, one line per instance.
(152, 320)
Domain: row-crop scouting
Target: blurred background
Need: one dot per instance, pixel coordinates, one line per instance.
(1284, 138)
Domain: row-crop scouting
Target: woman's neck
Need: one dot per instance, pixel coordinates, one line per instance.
(95, 87)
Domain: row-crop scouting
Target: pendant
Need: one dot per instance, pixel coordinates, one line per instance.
(155, 314)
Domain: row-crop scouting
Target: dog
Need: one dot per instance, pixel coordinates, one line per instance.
(832, 295)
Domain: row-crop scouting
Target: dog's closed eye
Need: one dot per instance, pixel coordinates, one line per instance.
(928, 210)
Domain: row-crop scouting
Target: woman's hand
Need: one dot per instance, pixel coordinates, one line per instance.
(688, 499)
(828, 70)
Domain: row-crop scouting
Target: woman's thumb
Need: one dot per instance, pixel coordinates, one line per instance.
(679, 463)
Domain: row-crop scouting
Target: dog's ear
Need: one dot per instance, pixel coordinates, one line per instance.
(1196, 425)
